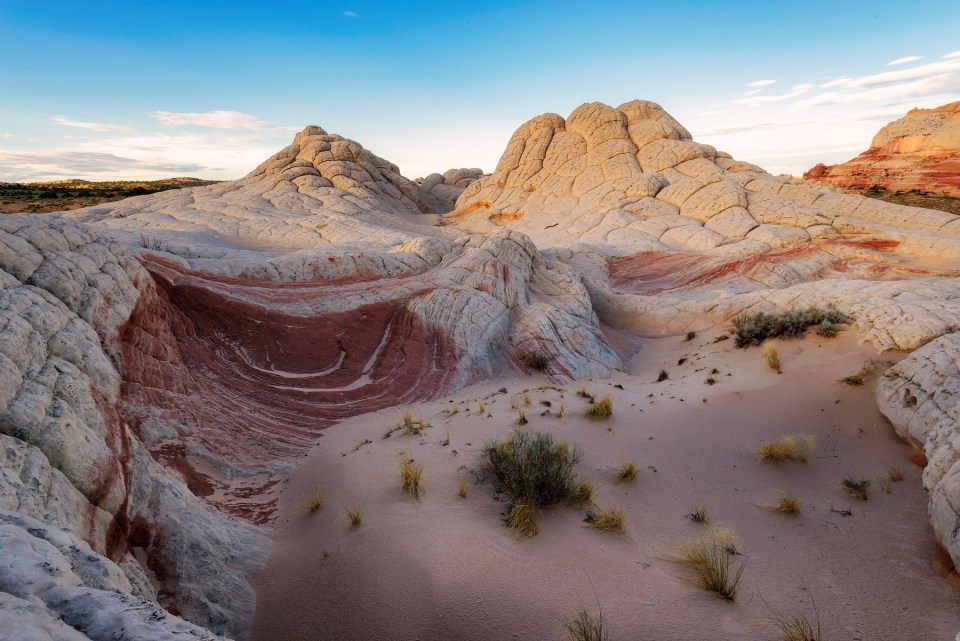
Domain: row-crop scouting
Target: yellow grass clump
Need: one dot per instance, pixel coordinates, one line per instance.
(585, 627)
(708, 562)
(894, 473)
(772, 355)
(462, 490)
(602, 408)
(582, 491)
(627, 472)
(314, 503)
(522, 519)
(799, 447)
(521, 418)
(411, 474)
(562, 411)
(411, 425)
(354, 515)
(785, 503)
(609, 520)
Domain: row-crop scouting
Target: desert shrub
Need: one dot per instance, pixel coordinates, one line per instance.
(602, 408)
(709, 564)
(411, 474)
(314, 503)
(609, 520)
(411, 425)
(785, 503)
(698, 515)
(536, 361)
(828, 329)
(582, 492)
(353, 514)
(585, 627)
(794, 627)
(868, 369)
(753, 329)
(856, 488)
(690, 336)
(798, 447)
(626, 472)
(662, 376)
(521, 417)
(532, 467)
(522, 519)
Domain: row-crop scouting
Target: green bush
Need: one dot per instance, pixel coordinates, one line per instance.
(533, 467)
(753, 329)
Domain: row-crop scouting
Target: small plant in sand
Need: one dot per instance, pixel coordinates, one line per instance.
(445, 441)
(353, 514)
(885, 487)
(462, 490)
(794, 627)
(856, 488)
(534, 470)
(626, 472)
(708, 563)
(521, 418)
(314, 503)
(481, 408)
(582, 492)
(771, 355)
(785, 503)
(698, 514)
(454, 409)
(690, 336)
(602, 408)
(411, 475)
(894, 473)
(662, 376)
(561, 411)
(585, 627)
(609, 520)
(753, 329)
(583, 393)
(536, 361)
(410, 425)
(526, 399)
(799, 447)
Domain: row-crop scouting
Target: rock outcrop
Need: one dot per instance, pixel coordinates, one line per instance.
(165, 360)
(919, 152)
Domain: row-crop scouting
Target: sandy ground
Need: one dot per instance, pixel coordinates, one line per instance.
(446, 568)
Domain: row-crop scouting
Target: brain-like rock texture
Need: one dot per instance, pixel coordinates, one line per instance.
(920, 151)
(166, 360)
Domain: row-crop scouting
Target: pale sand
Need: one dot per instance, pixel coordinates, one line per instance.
(446, 568)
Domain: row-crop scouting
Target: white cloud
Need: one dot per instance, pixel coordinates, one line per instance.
(752, 92)
(953, 54)
(92, 126)
(799, 90)
(904, 60)
(351, 14)
(218, 120)
(760, 83)
(803, 87)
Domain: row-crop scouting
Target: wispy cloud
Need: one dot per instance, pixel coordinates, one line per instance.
(952, 54)
(935, 79)
(798, 90)
(25, 165)
(218, 120)
(351, 14)
(760, 83)
(91, 126)
(904, 60)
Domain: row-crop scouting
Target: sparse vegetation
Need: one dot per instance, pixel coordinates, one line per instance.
(709, 565)
(894, 473)
(462, 490)
(698, 515)
(582, 492)
(753, 329)
(353, 514)
(561, 411)
(411, 475)
(662, 376)
(609, 520)
(411, 425)
(794, 627)
(521, 418)
(602, 408)
(799, 447)
(314, 503)
(583, 393)
(481, 408)
(626, 472)
(771, 355)
(584, 627)
(868, 369)
(534, 470)
(445, 441)
(690, 336)
(62, 195)
(785, 503)
(856, 488)
(536, 361)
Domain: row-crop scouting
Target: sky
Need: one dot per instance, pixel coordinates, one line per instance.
(147, 89)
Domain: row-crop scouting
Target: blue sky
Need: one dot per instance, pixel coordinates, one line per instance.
(151, 89)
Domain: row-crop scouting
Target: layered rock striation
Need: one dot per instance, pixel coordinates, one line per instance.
(919, 152)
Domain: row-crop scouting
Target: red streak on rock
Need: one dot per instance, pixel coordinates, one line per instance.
(249, 373)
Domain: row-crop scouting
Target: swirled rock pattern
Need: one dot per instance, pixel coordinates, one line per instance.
(920, 152)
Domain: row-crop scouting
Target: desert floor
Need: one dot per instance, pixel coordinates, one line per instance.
(446, 568)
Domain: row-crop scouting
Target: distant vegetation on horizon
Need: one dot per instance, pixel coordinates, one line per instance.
(60, 195)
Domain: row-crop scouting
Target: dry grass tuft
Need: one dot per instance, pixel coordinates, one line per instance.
(584, 627)
(608, 520)
(602, 408)
(582, 491)
(856, 488)
(562, 411)
(627, 472)
(314, 503)
(772, 355)
(794, 627)
(894, 473)
(462, 490)
(481, 408)
(354, 514)
(536, 361)
(662, 376)
(799, 447)
(709, 564)
(786, 503)
(698, 515)
(521, 418)
(411, 474)
(522, 519)
(410, 425)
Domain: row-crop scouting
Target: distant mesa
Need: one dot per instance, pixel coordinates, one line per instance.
(917, 153)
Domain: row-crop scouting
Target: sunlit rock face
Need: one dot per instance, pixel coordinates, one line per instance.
(166, 360)
(919, 152)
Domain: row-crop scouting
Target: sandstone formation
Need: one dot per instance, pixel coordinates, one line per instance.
(167, 359)
(920, 152)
